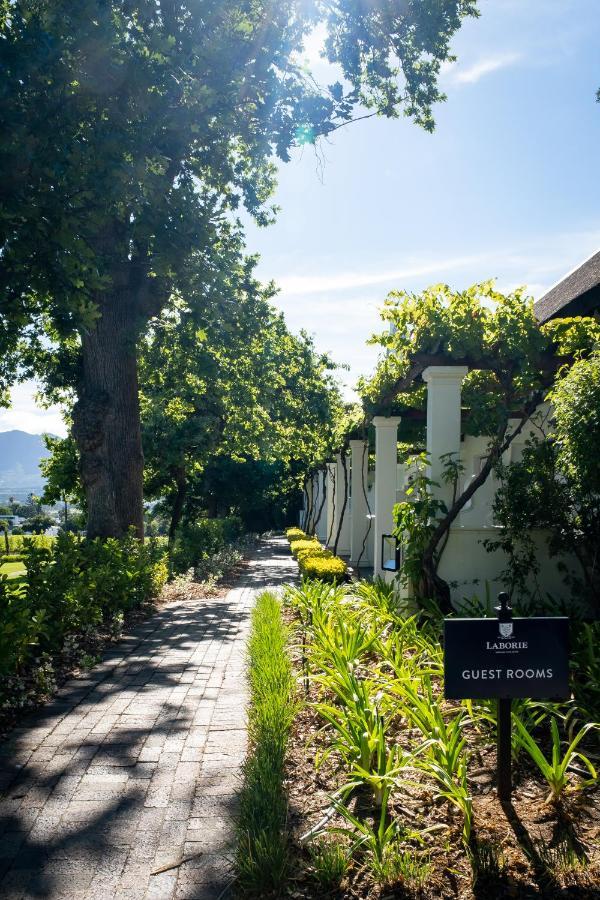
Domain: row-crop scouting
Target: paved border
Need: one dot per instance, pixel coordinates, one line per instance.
(135, 766)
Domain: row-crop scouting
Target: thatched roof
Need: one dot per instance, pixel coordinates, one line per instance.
(577, 294)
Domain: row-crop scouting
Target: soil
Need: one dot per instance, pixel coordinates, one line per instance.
(541, 850)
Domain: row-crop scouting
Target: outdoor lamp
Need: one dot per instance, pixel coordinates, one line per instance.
(390, 553)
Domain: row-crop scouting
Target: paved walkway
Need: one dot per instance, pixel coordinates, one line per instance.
(136, 765)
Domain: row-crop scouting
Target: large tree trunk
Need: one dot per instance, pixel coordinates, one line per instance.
(106, 423)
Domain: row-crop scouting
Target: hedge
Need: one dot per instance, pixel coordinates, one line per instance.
(313, 560)
(262, 857)
(308, 544)
(68, 588)
(295, 534)
(324, 568)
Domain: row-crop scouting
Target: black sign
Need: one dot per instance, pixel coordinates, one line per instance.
(517, 658)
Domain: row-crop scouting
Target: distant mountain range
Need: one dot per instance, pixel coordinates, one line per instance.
(20, 455)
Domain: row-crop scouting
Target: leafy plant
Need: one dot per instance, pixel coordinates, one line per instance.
(401, 865)
(329, 861)
(555, 769)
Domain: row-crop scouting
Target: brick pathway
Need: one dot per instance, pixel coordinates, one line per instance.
(136, 764)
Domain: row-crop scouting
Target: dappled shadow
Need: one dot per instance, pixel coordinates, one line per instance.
(544, 877)
(88, 780)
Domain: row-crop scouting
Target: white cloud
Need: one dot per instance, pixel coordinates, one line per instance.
(292, 285)
(473, 73)
(26, 415)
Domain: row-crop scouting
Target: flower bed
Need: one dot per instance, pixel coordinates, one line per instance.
(391, 788)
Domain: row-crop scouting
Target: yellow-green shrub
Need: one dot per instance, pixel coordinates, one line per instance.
(307, 544)
(295, 534)
(320, 552)
(324, 568)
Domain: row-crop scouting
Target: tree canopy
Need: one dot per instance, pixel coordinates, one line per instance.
(132, 132)
(513, 362)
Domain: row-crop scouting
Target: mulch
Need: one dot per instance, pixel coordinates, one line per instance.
(528, 836)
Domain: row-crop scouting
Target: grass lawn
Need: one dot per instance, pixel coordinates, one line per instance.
(12, 569)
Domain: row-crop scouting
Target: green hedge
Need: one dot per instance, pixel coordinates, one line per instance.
(313, 560)
(309, 544)
(296, 534)
(262, 856)
(324, 568)
(16, 542)
(196, 541)
(71, 586)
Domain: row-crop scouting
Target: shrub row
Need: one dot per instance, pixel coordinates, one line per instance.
(262, 854)
(70, 586)
(314, 561)
(16, 541)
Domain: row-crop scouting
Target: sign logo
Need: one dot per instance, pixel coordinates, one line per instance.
(506, 629)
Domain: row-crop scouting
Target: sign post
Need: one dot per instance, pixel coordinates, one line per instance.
(503, 713)
(506, 658)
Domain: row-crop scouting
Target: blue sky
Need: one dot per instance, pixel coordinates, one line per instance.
(507, 186)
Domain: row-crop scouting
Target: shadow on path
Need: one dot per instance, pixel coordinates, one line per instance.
(136, 764)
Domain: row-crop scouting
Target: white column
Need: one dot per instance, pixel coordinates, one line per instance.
(386, 460)
(343, 547)
(320, 520)
(359, 523)
(330, 488)
(443, 420)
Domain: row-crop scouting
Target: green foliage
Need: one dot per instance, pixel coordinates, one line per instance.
(165, 119)
(224, 425)
(323, 568)
(415, 520)
(20, 626)
(38, 524)
(555, 768)
(61, 471)
(262, 852)
(576, 408)
(310, 544)
(199, 540)
(295, 534)
(556, 487)
(72, 585)
(329, 862)
(399, 865)
(314, 561)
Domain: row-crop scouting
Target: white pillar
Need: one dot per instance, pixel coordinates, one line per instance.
(386, 460)
(443, 420)
(320, 519)
(343, 547)
(330, 489)
(359, 524)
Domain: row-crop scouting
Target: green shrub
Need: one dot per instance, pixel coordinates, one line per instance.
(262, 854)
(306, 544)
(17, 540)
(316, 554)
(20, 627)
(295, 534)
(196, 541)
(70, 586)
(324, 569)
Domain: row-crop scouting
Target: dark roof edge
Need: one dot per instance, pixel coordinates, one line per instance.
(581, 279)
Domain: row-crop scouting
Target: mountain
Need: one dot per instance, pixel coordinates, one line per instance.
(20, 454)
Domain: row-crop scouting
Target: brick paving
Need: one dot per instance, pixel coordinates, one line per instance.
(135, 766)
